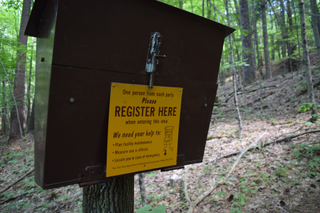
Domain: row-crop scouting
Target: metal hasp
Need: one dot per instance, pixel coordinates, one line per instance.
(82, 48)
(153, 55)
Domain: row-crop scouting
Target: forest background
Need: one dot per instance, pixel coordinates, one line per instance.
(269, 34)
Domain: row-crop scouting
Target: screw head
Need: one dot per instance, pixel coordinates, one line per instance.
(71, 100)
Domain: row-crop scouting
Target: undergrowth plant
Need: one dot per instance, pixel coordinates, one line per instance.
(157, 209)
(315, 115)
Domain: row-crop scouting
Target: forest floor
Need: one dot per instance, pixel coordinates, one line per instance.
(281, 173)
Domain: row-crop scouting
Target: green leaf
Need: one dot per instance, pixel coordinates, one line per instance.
(143, 209)
(313, 164)
(159, 209)
(220, 193)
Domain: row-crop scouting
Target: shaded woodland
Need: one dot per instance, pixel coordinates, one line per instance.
(263, 147)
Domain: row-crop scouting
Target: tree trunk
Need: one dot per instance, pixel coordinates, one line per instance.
(142, 189)
(272, 39)
(208, 10)
(272, 49)
(298, 39)
(4, 109)
(234, 76)
(290, 32)
(181, 4)
(283, 33)
(306, 52)
(237, 10)
(254, 31)
(265, 40)
(202, 8)
(19, 81)
(314, 18)
(111, 197)
(258, 54)
(222, 75)
(29, 84)
(31, 120)
(246, 38)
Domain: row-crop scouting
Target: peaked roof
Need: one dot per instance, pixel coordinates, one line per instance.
(43, 11)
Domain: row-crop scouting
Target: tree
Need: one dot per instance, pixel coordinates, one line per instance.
(19, 82)
(306, 54)
(234, 76)
(283, 33)
(315, 19)
(265, 40)
(181, 4)
(291, 48)
(114, 196)
(246, 38)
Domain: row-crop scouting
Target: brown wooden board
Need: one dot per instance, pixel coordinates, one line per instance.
(84, 48)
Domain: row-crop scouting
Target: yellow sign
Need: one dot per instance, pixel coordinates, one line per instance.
(143, 128)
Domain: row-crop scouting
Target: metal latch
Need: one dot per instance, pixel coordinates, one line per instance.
(153, 55)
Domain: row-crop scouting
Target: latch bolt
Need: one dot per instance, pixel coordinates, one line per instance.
(153, 55)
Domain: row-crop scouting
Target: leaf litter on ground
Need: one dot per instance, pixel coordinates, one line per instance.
(281, 177)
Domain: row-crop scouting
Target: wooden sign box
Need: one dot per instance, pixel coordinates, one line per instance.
(82, 47)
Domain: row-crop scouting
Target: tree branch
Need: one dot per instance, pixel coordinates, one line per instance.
(218, 11)
(266, 144)
(17, 181)
(213, 185)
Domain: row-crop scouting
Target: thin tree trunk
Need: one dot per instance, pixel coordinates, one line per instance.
(19, 82)
(221, 75)
(254, 27)
(181, 4)
(29, 83)
(272, 38)
(31, 120)
(246, 38)
(234, 76)
(191, 6)
(260, 83)
(4, 111)
(258, 52)
(272, 49)
(283, 34)
(111, 197)
(306, 52)
(290, 32)
(202, 8)
(265, 40)
(298, 37)
(314, 18)
(208, 10)
(142, 189)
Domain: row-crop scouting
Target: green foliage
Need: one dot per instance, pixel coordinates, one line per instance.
(282, 174)
(239, 200)
(10, 11)
(207, 169)
(306, 106)
(303, 84)
(157, 209)
(152, 174)
(307, 151)
(236, 210)
(236, 64)
(220, 193)
(232, 131)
